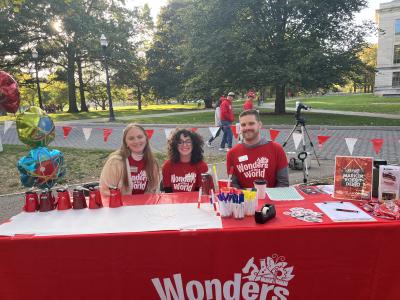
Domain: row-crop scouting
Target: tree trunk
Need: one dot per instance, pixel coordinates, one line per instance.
(81, 85)
(208, 101)
(280, 99)
(139, 97)
(71, 79)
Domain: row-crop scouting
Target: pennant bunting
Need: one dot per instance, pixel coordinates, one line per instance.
(106, 133)
(213, 131)
(297, 137)
(87, 132)
(168, 132)
(66, 130)
(350, 142)
(273, 134)
(194, 129)
(149, 133)
(377, 143)
(322, 139)
(7, 125)
(234, 131)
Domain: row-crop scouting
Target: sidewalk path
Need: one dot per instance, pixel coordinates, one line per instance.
(341, 112)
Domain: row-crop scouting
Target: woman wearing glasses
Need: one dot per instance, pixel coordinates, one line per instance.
(182, 171)
(132, 168)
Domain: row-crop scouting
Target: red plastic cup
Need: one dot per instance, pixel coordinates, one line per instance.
(95, 199)
(222, 183)
(31, 202)
(46, 201)
(78, 199)
(115, 198)
(63, 200)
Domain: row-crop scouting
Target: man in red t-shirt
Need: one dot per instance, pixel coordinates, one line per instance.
(248, 104)
(256, 157)
(227, 117)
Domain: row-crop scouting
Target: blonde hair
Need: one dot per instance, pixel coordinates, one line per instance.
(151, 165)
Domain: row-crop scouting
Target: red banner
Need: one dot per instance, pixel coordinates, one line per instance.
(377, 143)
(149, 133)
(322, 139)
(106, 133)
(66, 130)
(273, 133)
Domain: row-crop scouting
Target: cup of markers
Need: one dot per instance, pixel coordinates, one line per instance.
(236, 203)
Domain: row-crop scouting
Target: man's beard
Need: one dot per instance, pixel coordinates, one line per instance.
(250, 135)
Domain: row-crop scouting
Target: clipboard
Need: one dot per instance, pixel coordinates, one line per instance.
(344, 212)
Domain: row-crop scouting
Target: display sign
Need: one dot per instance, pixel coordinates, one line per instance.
(353, 178)
(389, 182)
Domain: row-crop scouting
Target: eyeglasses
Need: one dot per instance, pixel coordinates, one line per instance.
(188, 142)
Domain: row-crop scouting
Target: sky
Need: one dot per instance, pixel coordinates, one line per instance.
(366, 14)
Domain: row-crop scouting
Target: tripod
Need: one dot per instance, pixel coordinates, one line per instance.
(301, 122)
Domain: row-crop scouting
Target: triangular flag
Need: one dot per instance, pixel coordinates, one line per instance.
(377, 143)
(234, 131)
(297, 137)
(149, 133)
(322, 139)
(168, 132)
(194, 129)
(66, 130)
(350, 142)
(106, 133)
(87, 132)
(213, 131)
(1, 145)
(273, 134)
(7, 125)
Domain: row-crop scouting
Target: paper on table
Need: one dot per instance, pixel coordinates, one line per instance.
(331, 210)
(139, 218)
(283, 194)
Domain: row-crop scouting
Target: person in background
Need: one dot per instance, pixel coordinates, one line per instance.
(132, 168)
(256, 157)
(182, 171)
(248, 104)
(227, 117)
(217, 117)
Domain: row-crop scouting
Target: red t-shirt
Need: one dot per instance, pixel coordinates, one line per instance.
(263, 161)
(138, 175)
(248, 104)
(183, 177)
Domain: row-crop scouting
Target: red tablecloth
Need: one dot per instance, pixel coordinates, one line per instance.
(282, 259)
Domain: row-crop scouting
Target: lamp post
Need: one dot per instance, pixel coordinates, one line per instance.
(35, 56)
(104, 44)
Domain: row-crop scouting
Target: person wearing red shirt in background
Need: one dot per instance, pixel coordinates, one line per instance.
(227, 118)
(256, 157)
(248, 104)
(182, 171)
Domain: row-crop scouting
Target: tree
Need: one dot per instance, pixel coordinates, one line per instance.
(310, 44)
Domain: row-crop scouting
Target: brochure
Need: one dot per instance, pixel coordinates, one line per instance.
(389, 182)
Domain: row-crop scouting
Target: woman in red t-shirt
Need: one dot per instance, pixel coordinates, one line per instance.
(132, 168)
(182, 171)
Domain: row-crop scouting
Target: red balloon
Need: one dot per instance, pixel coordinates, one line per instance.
(9, 93)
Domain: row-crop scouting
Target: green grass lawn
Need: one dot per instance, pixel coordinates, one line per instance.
(120, 111)
(359, 102)
(269, 118)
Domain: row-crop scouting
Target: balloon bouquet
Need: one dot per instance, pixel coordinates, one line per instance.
(41, 167)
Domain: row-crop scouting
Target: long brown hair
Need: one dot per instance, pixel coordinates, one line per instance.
(151, 166)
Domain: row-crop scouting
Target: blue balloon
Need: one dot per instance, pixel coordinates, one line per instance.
(41, 167)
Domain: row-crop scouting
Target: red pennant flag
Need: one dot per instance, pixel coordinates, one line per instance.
(235, 133)
(273, 133)
(194, 129)
(149, 133)
(106, 133)
(322, 139)
(377, 143)
(67, 130)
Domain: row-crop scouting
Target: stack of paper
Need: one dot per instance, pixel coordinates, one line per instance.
(283, 194)
(344, 212)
